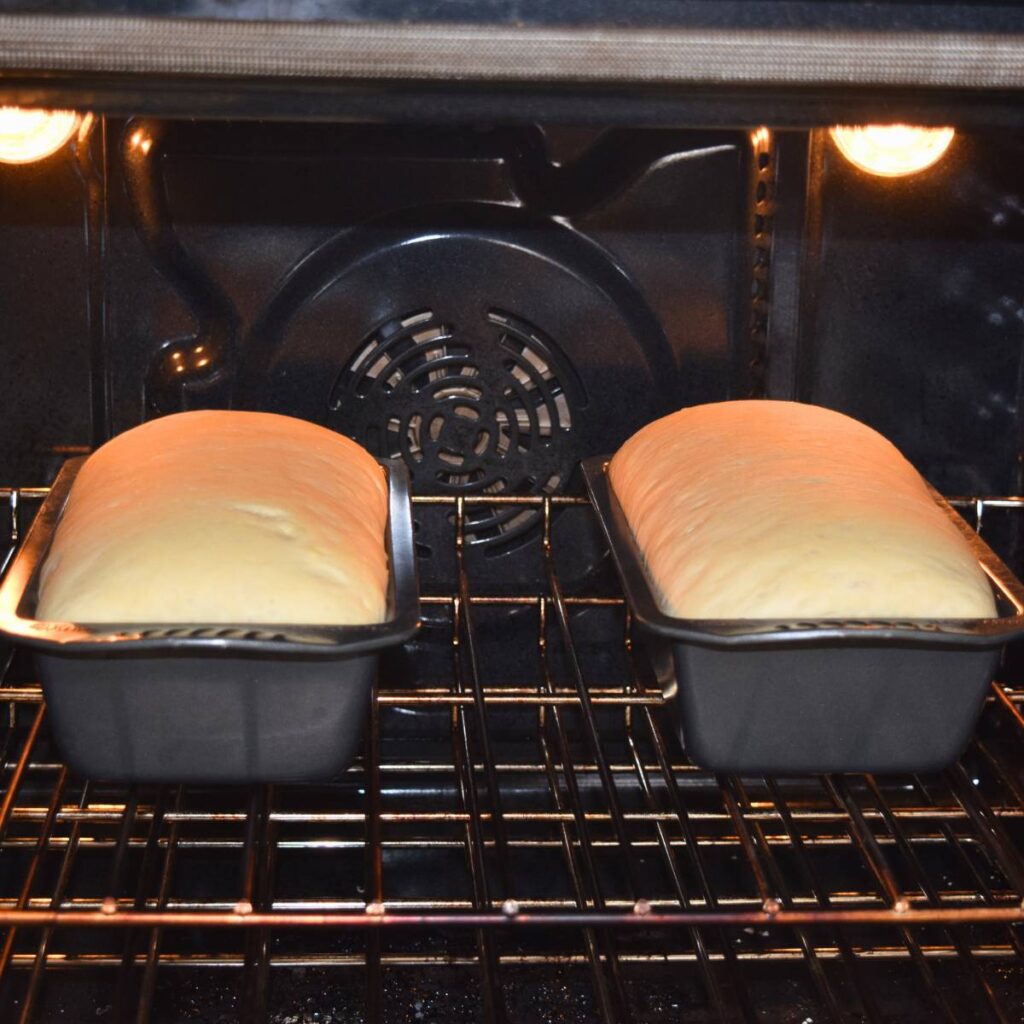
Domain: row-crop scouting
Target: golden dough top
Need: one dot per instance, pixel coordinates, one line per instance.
(777, 510)
(222, 517)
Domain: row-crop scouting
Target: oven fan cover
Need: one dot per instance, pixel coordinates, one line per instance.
(489, 350)
(485, 407)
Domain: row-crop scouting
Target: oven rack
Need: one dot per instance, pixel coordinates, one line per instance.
(516, 826)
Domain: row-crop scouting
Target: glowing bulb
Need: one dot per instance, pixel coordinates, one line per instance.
(891, 150)
(140, 140)
(30, 135)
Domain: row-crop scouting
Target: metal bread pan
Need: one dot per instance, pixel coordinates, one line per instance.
(775, 697)
(205, 702)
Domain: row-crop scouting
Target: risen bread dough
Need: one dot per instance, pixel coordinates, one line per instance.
(776, 510)
(221, 517)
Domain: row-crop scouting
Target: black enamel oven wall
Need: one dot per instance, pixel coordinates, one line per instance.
(493, 304)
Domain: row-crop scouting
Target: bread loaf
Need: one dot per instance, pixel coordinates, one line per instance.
(221, 517)
(777, 510)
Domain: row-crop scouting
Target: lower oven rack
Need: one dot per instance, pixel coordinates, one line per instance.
(516, 849)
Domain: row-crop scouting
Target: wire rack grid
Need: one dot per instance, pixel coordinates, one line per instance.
(522, 839)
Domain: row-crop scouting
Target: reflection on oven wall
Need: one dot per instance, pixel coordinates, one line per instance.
(914, 321)
(492, 304)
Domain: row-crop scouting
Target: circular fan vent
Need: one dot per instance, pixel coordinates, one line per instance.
(471, 408)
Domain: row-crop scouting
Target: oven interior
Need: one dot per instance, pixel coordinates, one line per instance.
(523, 838)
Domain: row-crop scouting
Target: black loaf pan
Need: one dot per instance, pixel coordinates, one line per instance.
(208, 703)
(825, 696)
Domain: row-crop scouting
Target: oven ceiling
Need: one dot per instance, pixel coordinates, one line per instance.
(695, 61)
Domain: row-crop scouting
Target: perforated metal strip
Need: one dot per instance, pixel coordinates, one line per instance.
(502, 53)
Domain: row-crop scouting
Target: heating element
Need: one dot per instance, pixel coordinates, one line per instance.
(522, 840)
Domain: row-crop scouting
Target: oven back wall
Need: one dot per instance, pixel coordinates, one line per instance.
(45, 349)
(914, 307)
(618, 264)
(492, 304)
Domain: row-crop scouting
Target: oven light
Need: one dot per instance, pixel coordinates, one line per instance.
(140, 140)
(760, 137)
(28, 135)
(891, 150)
